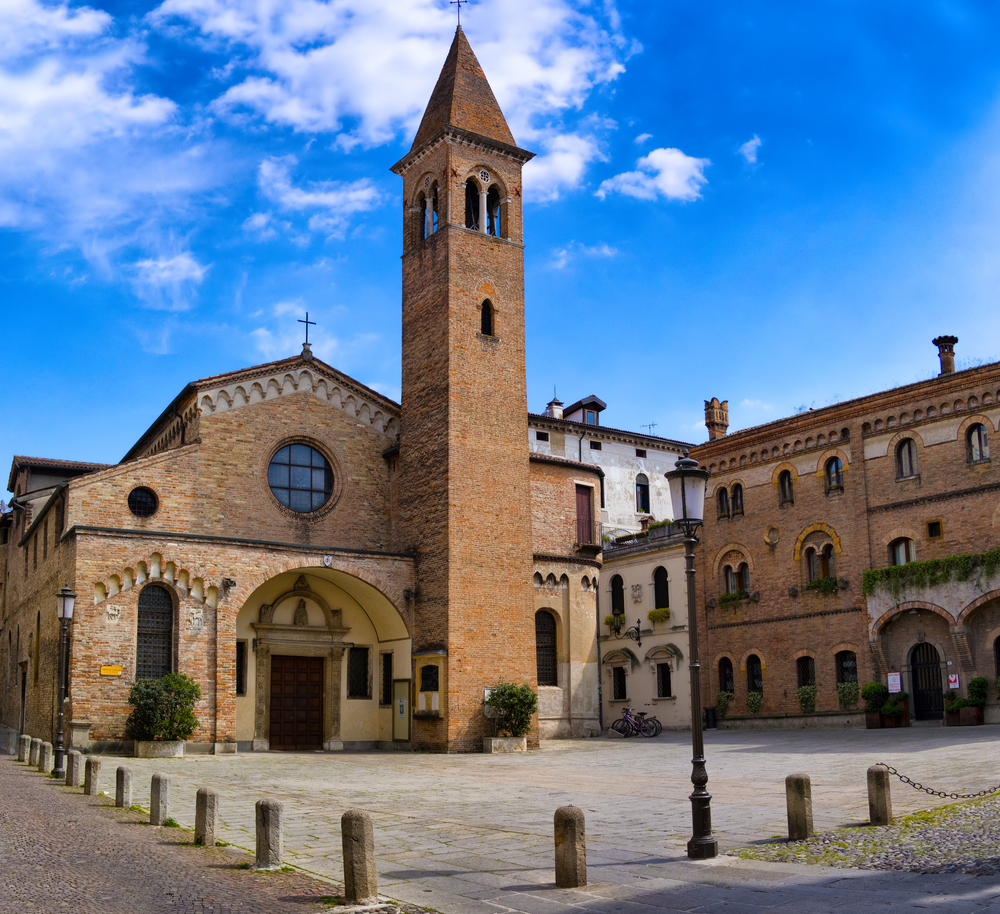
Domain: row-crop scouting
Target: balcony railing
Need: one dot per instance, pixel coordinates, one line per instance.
(645, 539)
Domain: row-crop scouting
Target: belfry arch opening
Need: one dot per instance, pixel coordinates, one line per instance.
(493, 207)
(472, 205)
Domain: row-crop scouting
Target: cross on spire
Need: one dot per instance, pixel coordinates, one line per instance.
(458, 5)
(307, 322)
(650, 425)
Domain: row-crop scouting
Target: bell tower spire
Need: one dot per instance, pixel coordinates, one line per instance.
(464, 491)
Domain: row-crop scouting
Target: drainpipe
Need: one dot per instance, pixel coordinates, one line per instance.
(600, 673)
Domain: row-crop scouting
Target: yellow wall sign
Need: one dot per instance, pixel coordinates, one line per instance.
(111, 671)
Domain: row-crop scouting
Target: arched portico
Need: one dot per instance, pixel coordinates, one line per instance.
(323, 658)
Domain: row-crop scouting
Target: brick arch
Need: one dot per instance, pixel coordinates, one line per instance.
(972, 420)
(898, 532)
(719, 485)
(720, 655)
(419, 186)
(899, 436)
(803, 653)
(812, 528)
(747, 653)
(844, 646)
(733, 547)
(975, 604)
(880, 622)
(784, 465)
(826, 455)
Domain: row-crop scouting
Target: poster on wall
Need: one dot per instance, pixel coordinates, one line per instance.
(894, 682)
(953, 681)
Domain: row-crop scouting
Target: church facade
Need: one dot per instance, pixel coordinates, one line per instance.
(334, 569)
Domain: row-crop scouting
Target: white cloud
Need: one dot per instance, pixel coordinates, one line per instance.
(560, 166)
(168, 283)
(642, 137)
(757, 404)
(562, 256)
(749, 149)
(665, 173)
(334, 201)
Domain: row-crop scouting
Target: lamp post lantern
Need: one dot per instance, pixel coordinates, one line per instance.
(687, 495)
(65, 601)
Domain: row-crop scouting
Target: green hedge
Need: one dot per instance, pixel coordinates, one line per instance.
(930, 573)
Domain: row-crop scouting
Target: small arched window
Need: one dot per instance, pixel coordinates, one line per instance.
(978, 446)
(486, 319)
(726, 681)
(736, 504)
(906, 459)
(901, 551)
(846, 663)
(743, 578)
(755, 674)
(722, 499)
(661, 589)
(826, 561)
(617, 595)
(421, 216)
(493, 210)
(805, 669)
(545, 648)
(812, 566)
(155, 639)
(641, 494)
(471, 205)
(834, 475)
(729, 578)
(786, 496)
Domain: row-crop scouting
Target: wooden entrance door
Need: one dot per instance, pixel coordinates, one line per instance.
(296, 702)
(925, 667)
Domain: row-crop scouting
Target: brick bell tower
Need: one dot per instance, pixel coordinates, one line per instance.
(464, 491)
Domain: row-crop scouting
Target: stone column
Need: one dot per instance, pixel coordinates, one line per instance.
(159, 799)
(34, 751)
(360, 878)
(571, 847)
(270, 841)
(74, 768)
(262, 699)
(331, 700)
(92, 777)
(798, 799)
(206, 816)
(123, 788)
(879, 796)
(45, 759)
(483, 213)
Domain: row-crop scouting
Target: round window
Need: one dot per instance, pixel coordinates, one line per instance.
(142, 502)
(300, 478)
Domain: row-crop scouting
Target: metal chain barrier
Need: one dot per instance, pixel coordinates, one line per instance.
(940, 793)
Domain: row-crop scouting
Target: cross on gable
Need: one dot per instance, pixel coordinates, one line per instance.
(308, 322)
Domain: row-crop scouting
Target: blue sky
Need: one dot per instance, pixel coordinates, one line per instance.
(778, 204)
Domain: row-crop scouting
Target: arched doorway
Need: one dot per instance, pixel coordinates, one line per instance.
(925, 674)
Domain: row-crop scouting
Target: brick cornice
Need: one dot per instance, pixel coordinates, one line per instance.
(825, 612)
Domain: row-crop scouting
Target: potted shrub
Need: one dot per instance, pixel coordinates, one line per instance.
(892, 713)
(972, 714)
(807, 698)
(162, 715)
(952, 709)
(754, 700)
(513, 707)
(658, 615)
(847, 695)
(875, 694)
(722, 703)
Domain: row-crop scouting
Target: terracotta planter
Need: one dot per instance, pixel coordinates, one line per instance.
(905, 722)
(952, 718)
(159, 748)
(873, 720)
(890, 722)
(970, 717)
(497, 744)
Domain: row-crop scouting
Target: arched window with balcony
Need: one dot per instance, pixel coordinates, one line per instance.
(736, 502)
(906, 459)
(786, 493)
(617, 594)
(834, 475)
(727, 682)
(755, 674)
(977, 446)
(545, 648)
(661, 589)
(901, 551)
(642, 494)
(722, 500)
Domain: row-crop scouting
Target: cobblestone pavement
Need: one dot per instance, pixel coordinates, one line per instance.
(473, 833)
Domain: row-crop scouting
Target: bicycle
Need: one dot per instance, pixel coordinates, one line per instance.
(632, 722)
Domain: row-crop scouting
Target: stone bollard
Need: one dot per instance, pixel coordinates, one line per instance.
(34, 752)
(799, 800)
(571, 847)
(123, 788)
(92, 777)
(159, 799)
(879, 796)
(45, 759)
(270, 842)
(360, 878)
(10, 742)
(206, 816)
(23, 747)
(74, 765)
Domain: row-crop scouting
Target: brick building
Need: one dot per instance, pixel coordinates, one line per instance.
(798, 510)
(334, 569)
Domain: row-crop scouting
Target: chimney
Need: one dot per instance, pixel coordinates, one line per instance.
(946, 352)
(716, 418)
(555, 408)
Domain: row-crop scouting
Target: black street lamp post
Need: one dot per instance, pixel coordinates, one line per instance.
(65, 600)
(687, 494)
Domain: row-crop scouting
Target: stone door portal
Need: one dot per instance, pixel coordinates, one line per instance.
(296, 702)
(925, 670)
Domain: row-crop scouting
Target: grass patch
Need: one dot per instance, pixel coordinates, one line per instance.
(222, 844)
(171, 823)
